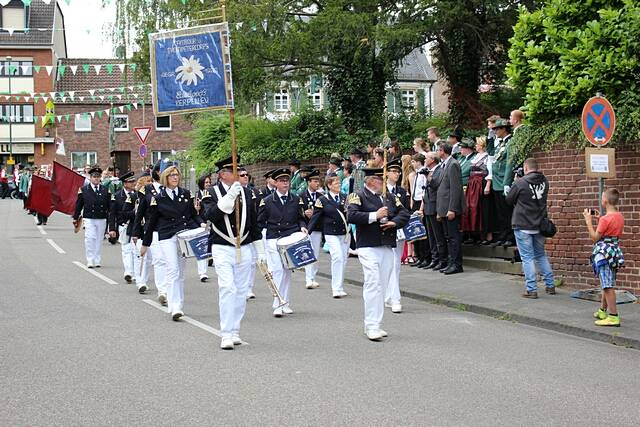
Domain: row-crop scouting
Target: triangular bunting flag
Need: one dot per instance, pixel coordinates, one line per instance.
(93, 114)
(74, 69)
(49, 69)
(62, 69)
(92, 91)
(121, 66)
(85, 68)
(109, 68)
(121, 108)
(133, 67)
(36, 68)
(97, 68)
(99, 113)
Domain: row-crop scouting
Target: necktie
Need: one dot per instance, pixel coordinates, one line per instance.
(313, 196)
(337, 199)
(393, 191)
(175, 195)
(96, 189)
(284, 199)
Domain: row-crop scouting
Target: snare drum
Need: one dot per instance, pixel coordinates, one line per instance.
(415, 229)
(296, 251)
(194, 243)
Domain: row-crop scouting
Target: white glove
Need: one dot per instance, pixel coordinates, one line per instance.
(228, 201)
(506, 189)
(258, 245)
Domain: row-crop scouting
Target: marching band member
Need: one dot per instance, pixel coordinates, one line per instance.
(93, 203)
(243, 177)
(329, 216)
(145, 195)
(234, 273)
(281, 215)
(392, 295)
(203, 183)
(376, 219)
(121, 219)
(143, 264)
(171, 211)
(309, 197)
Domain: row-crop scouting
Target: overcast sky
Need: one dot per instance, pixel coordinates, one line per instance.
(88, 15)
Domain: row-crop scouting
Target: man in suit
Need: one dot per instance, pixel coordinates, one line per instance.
(450, 206)
(435, 228)
(93, 204)
(121, 218)
(281, 214)
(377, 219)
(297, 182)
(309, 197)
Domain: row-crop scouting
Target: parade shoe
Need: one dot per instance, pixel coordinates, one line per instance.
(530, 295)
(204, 278)
(128, 278)
(396, 308)
(287, 310)
(415, 263)
(278, 312)
(384, 333)
(97, 265)
(453, 270)
(315, 284)
(551, 290)
(610, 320)
(431, 265)
(142, 288)
(496, 243)
(162, 299)
(236, 340)
(90, 264)
(176, 315)
(443, 268)
(226, 343)
(39, 223)
(600, 314)
(374, 334)
(424, 263)
(251, 295)
(339, 294)
(309, 286)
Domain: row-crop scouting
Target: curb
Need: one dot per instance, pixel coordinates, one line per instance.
(517, 318)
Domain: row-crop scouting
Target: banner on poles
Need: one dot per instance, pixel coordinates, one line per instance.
(191, 70)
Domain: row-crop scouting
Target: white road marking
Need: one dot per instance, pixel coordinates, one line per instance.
(95, 273)
(41, 230)
(55, 246)
(35, 220)
(189, 320)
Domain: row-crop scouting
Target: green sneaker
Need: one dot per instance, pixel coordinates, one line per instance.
(609, 321)
(600, 314)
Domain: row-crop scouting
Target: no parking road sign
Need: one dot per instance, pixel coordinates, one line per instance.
(598, 121)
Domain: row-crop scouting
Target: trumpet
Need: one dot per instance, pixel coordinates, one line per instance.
(271, 284)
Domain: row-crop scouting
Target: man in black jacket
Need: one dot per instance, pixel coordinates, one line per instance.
(435, 228)
(121, 217)
(528, 196)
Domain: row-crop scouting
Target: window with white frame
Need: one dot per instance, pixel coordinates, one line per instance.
(163, 123)
(315, 98)
(408, 98)
(79, 159)
(19, 113)
(83, 122)
(159, 155)
(281, 100)
(121, 123)
(14, 16)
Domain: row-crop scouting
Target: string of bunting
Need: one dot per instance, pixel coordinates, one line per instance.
(68, 2)
(65, 96)
(62, 69)
(83, 114)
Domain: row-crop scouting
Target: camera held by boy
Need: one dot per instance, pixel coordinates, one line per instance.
(606, 256)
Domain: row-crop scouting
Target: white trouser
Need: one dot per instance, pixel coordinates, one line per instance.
(254, 267)
(281, 275)
(175, 264)
(159, 261)
(339, 251)
(128, 250)
(203, 264)
(93, 236)
(377, 265)
(143, 265)
(392, 296)
(233, 285)
(311, 270)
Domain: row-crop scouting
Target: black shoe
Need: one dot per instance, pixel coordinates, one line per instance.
(469, 242)
(423, 263)
(486, 242)
(508, 244)
(453, 270)
(416, 262)
(433, 264)
(443, 268)
(496, 243)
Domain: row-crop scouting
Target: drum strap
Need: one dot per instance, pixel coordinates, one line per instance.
(344, 220)
(229, 235)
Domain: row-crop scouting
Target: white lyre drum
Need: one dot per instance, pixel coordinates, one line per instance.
(296, 251)
(194, 243)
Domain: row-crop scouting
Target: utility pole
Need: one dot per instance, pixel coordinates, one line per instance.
(11, 116)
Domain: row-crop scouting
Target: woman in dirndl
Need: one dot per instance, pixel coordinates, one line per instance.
(478, 215)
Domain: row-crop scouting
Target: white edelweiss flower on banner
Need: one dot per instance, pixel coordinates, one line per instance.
(189, 71)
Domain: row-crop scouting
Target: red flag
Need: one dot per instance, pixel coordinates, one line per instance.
(39, 199)
(66, 183)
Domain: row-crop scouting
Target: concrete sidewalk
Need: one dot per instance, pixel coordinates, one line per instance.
(499, 295)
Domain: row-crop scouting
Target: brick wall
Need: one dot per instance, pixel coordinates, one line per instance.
(570, 193)
(97, 139)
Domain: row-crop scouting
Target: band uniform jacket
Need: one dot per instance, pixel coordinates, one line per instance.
(402, 195)
(145, 194)
(329, 216)
(361, 204)
(450, 196)
(281, 220)
(169, 216)
(92, 204)
(223, 226)
(123, 210)
(431, 191)
(309, 203)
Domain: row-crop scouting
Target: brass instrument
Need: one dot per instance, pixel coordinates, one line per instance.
(271, 284)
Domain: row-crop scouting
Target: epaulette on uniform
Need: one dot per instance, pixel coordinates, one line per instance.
(142, 191)
(319, 204)
(153, 202)
(262, 202)
(354, 199)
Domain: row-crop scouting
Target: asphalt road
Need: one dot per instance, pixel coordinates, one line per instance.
(78, 350)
